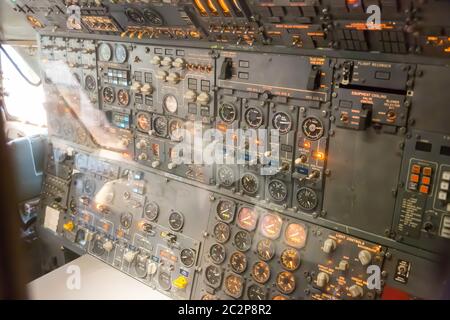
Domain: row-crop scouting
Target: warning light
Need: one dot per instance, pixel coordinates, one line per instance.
(306, 144)
(353, 3)
(319, 155)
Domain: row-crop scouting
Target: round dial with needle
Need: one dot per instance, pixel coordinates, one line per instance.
(222, 232)
(270, 226)
(217, 253)
(261, 272)
(265, 249)
(285, 282)
(242, 240)
(234, 285)
(307, 199)
(225, 210)
(277, 190)
(213, 276)
(282, 122)
(295, 235)
(238, 262)
(247, 219)
(290, 259)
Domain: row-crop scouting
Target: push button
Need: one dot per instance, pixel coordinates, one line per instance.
(427, 171)
(446, 176)
(416, 169)
(424, 189)
(444, 185)
(414, 178)
(426, 180)
(442, 195)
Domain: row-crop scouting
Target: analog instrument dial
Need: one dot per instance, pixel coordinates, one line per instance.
(307, 199)
(285, 282)
(170, 103)
(104, 52)
(213, 276)
(176, 221)
(121, 53)
(89, 83)
(151, 211)
(109, 96)
(290, 259)
(277, 190)
(256, 292)
(126, 219)
(242, 240)
(227, 112)
(89, 187)
(238, 262)
(143, 122)
(135, 16)
(175, 130)
(250, 183)
(234, 285)
(295, 235)
(254, 117)
(265, 249)
(217, 253)
(282, 122)
(313, 128)
(247, 219)
(270, 226)
(225, 210)
(261, 272)
(226, 176)
(153, 17)
(222, 232)
(187, 257)
(160, 126)
(123, 97)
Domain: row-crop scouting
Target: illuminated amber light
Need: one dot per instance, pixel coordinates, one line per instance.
(319, 155)
(306, 144)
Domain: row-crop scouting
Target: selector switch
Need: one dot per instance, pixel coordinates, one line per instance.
(322, 279)
(190, 96)
(173, 78)
(365, 257)
(130, 256)
(329, 246)
(203, 98)
(161, 75)
(108, 246)
(343, 265)
(179, 63)
(167, 62)
(156, 61)
(136, 87)
(147, 89)
(356, 291)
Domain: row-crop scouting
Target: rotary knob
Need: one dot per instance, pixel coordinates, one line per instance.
(141, 144)
(173, 78)
(179, 63)
(329, 246)
(343, 265)
(130, 256)
(156, 61)
(190, 96)
(142, 157)
(156, 164)
(356, 291)
(172, 166)
(147, 89)
(161, 75)
(203, 98)
(365, 257)
(136, 87)
(322, 279)
(108, 246)
(167, 62)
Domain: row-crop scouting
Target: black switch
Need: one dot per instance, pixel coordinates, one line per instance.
(313, 79)
(226, 71)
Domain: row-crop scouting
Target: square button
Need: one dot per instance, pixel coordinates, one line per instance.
(446, 176)
(442, 195)
(415, 169)
(444, 185)
(426, 180)
(412, 186)
(427, 171)
(424, 189)
(414, 178)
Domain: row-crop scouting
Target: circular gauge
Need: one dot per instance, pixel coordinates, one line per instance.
(126, 219)
(109, 95)
(160, 126)
(123, 97)
(227, 112)
(256, 292)
(226, 176)
(187, 257)
(121, 53)
(213, 276)
(265, 249)
(170, 103)
(141, 265)
(164, 280)
(135, 16)
(234, 285)
(254, 118)
(175, 129)
(176, 221)
(285, 282)
(104, 52)
(151, 211)
(270, 226)
(217, 253)
(290, 259)
(225, 210)
(250, 183)
(312, 128)
(143, 122)
(282, 122)
(295, 235)
(238, 262)
(222, 232)
(90, 83)
(89, 187)
(153, 17)
(261, 272)
(97, 246)
(242, 240)
(277, 190)
(81, 135)
(247, 219)
(307, 199)
(280, 297)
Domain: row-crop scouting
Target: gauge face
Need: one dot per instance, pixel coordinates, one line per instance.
(270, 226)
(121, 53)
(164, 280)
(123, 97)
(222, 232)
(307, 199)
(242, 240)
(108, 95)
(238, 262)
(176, 221)
(217, 253)
(170, 103)
(227, 112)
(97, 246)
(277, 190)
(265, 249)
(234, 285)
(261, 272)
(295, 235)
(126, 219)
(290, 259)
(312, 128)
(256, 292)
(225, 210)
(282, 122)
(89, 187)
(151, 211)
(226, 176)
(90, 83)
(254, 118)
(135, 15)
(250, 183)
(105, 52)
(285, 282)
(187, 257)
(247, 219)
(160, 126)
(175, 130)
(153, 17)
(213, 276)
(143, 122)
